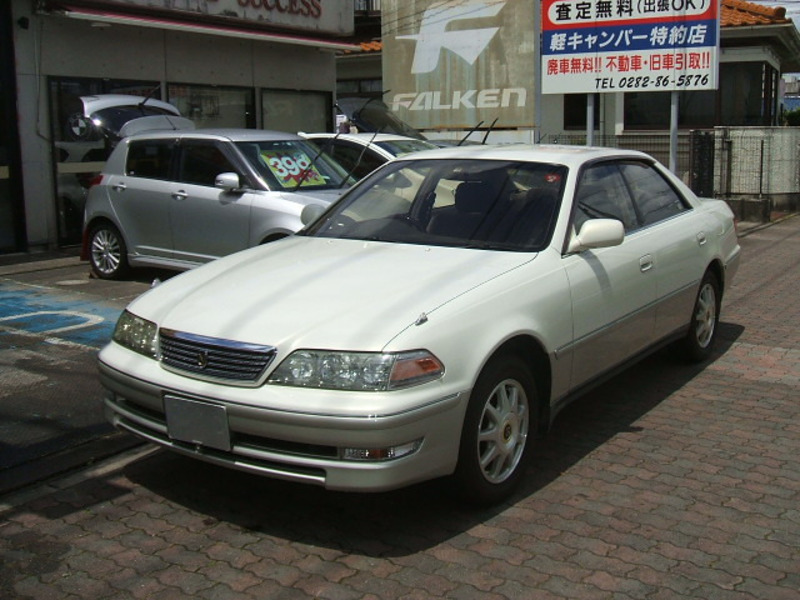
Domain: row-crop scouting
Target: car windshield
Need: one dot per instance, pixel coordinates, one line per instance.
(490, 204)
(402, 147)
(291, 165)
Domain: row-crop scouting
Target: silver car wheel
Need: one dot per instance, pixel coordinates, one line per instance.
(503, 430)
(106, 253)
(705, 316)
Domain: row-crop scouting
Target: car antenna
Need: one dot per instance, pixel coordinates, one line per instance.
(149, 95)
(361, 156)
(469, 133)
(488, 131)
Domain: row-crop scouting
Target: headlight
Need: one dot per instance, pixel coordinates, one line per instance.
(357, 371)
(137, 334)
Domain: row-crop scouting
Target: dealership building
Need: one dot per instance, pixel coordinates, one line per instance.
(235, 63)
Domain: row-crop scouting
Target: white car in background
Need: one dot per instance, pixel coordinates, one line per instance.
(430, 323)
(362, 153)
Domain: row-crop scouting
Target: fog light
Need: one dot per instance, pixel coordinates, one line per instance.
(379, 454)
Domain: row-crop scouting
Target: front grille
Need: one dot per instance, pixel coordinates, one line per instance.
(214, 358)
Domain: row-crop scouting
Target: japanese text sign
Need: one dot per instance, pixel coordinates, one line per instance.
(629, 45)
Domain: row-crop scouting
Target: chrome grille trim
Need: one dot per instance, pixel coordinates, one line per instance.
(214, 358)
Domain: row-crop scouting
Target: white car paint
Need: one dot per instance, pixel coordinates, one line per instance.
(573, 316)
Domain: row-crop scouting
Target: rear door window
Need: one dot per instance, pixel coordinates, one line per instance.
(654, 197)
(150, 158)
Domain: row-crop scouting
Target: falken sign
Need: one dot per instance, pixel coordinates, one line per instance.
(629, 45)
(452, 64)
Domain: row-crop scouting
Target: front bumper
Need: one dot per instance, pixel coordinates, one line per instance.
(297, 446)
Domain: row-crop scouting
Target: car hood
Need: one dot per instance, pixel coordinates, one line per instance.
(320, 293)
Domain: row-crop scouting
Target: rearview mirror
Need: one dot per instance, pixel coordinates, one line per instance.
(310, 213)
(597, 233)
(227, 181)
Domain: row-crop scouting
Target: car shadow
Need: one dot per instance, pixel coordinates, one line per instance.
(413, 519)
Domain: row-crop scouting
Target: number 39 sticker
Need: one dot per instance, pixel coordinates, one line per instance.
(291, 168)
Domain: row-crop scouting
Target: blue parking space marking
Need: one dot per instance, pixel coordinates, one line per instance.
(52, 314)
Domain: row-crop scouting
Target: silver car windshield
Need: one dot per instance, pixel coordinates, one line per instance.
(487, 204)
(293, 165)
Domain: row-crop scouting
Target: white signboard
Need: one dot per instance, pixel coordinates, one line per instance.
(458, 63)
(593, 46)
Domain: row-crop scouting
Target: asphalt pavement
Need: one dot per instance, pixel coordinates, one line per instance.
(54, 318)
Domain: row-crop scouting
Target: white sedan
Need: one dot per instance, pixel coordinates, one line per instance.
(430, 323)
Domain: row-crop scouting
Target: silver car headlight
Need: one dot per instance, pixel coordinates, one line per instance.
(137, 334)
(357, 371)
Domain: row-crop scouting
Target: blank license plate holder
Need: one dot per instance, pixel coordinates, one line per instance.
(197, 422)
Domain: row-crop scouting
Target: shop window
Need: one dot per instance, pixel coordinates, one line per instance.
(359, 87)
(575, 111)
(746, 96)
(79, 149)
(651, 110)
(214, 106)
(296, 111)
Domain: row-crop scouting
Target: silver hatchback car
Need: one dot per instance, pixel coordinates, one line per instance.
(178, 199)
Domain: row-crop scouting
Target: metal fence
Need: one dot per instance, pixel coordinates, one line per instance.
(741, 164)
(654, 144)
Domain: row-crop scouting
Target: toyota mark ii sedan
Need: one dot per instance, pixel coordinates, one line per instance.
(430, 323)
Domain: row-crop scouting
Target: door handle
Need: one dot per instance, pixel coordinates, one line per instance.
(701, 238)
(180, 195)
(645, 263)
(119, 187)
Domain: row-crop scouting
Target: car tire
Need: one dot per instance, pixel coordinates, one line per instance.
(698, 343)
(498, 431)
(108, 254)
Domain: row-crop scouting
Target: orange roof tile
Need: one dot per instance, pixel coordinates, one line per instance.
(737, 13)
(733, 13)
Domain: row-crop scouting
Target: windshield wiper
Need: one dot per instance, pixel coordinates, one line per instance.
(307, 172)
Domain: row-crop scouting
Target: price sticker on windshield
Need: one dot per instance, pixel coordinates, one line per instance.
(291, 168)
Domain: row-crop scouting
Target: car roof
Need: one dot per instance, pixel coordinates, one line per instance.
(232, 135)
(570, 156)
(363, 138)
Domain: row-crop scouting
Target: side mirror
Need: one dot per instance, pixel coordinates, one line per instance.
(310, 213)
(227, 181)
(597, 233)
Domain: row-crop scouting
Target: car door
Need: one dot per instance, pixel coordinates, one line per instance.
(613, 290)
(207, 221)
(140, 197)
(678, 235)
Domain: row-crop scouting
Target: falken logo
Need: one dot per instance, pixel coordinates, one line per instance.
(433, 36)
